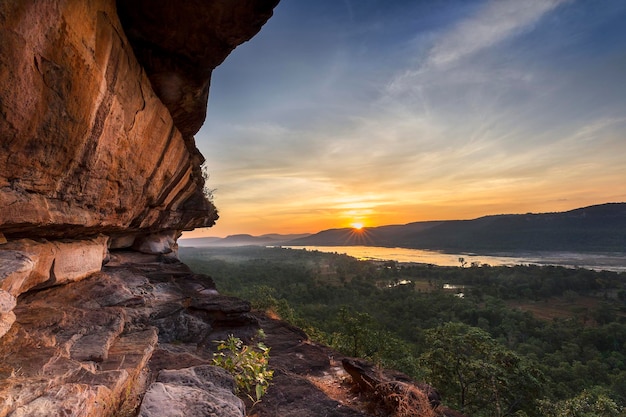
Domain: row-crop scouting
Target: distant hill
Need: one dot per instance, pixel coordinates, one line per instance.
(600, 228)
(273, 239)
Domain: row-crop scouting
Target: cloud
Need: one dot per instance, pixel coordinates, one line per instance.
(500, 110)
(498, 21)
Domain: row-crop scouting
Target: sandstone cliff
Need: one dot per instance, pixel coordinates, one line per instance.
(99, 174)
(97, 115)
(99, 102)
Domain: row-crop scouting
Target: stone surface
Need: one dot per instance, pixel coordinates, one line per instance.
(15, 268)
(28, 264)
(179, 62)
(86, 346)
(295, 359)
(87, 145)
(7, 302)
(157, 243)
(6, 321)
(202, 391)
(122, 241)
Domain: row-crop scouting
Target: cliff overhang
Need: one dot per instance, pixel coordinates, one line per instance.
(99, 102)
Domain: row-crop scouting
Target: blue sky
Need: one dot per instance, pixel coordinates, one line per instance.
(387, 112)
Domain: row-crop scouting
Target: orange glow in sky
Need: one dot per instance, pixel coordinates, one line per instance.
(395, 112)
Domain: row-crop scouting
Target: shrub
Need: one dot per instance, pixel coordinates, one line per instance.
(246, 364)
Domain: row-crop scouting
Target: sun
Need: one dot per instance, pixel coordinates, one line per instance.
(357, 226)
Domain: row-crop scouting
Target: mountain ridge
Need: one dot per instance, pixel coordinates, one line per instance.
(596, 228)
(242, 239)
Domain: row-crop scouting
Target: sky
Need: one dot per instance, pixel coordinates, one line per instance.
(394, 111)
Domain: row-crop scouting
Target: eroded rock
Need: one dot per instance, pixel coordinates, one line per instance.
(201, 391)
(6, 321)
(15, 268)
(88, 146)
(158, 243)
(179, 63)
(28, 263)
(7, 302)
(85, 346)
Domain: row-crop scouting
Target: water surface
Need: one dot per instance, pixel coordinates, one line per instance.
(597, 261)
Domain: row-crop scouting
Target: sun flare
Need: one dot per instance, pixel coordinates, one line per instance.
(357, 226)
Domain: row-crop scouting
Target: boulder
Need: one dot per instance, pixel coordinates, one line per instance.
(15, 269)
(201, 391)
(27, 264)
(123, 241)
(157, 243)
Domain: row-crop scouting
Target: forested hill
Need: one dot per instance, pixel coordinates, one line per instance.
(600, 228)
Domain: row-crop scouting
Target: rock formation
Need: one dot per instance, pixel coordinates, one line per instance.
(99, 102)
(92, 346)
(95, 141)
(99, 174)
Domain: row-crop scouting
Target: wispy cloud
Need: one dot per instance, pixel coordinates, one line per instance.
(453, 114)
(498, 21)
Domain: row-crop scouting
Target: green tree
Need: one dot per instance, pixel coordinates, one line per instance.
(356, 334)
(585, 404)
(478, 375)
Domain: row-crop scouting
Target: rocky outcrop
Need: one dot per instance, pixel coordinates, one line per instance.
(97, 118)
(88, 150)
(87, 145)
(179, 62)
(138, 338)
(86, 348)
(27, 264)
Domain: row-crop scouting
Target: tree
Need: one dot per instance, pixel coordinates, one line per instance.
(585, 404)
(358, 329)
(478, 375)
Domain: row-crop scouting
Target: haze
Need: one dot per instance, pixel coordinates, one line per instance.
(389, 112)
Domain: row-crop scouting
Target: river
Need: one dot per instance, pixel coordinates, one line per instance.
(597, 261)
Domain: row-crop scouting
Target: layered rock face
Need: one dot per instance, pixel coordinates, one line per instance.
(87, 146)
(99, 102)
(179, 62)
(93, 347)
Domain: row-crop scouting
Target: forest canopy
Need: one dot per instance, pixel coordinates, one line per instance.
(496, 341)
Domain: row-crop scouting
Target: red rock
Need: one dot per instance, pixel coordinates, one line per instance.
(42, 264)
(90, 147)
(179, 62)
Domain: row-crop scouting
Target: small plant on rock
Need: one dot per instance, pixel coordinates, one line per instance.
(248, 365)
